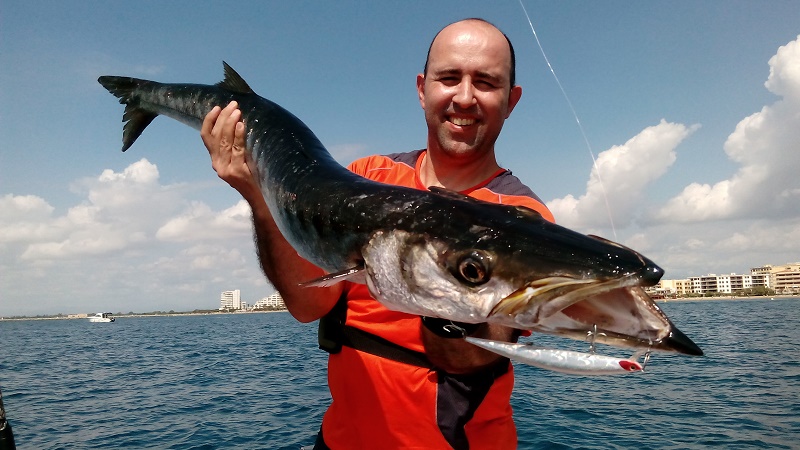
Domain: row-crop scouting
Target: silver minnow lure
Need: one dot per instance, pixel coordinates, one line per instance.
(564, 361)
(432, 253)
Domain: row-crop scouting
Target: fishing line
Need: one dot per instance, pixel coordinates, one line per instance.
(577, 119)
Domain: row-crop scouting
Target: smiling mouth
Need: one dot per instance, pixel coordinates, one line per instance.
(461, 121)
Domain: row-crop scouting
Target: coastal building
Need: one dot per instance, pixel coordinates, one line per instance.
(783, 279)
(741, 282)
(670, 289)
(706, 284)
(230, 300)
(727, 284)
(762, 276)
(724, 284)
(274, 301)
(786, 278)
(681, 287)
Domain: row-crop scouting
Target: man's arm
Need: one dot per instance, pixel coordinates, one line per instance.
(223, 135)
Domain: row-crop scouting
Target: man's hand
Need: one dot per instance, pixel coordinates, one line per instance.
(223, 135)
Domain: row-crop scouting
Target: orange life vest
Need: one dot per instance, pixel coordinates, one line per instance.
(382, 403)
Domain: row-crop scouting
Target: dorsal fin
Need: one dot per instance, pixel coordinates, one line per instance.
(233, 81)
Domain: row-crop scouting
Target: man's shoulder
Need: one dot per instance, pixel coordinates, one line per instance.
(507, 189)
(508, 184)
(408, 159)
(395, 168)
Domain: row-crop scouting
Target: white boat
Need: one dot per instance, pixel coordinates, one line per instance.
(101, 317)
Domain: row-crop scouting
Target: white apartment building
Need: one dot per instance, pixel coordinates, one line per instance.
(274, 301)
(784, 279)
(762, 276)
(725, 284)
(231, 300)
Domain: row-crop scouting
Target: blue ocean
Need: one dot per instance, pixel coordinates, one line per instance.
(246, 381)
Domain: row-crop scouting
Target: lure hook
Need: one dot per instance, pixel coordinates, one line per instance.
(591, 335)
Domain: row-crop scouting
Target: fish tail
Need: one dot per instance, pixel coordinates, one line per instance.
(135, 117)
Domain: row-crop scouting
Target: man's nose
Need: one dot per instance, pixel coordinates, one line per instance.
(465, 93)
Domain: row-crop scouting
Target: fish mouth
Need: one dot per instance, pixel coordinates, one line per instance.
(616, 312)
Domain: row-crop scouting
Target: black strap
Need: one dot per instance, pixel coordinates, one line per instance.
(459, 396)
(332, 333)
(329, 330)
(375, 345)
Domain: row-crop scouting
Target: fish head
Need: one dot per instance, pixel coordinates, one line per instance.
(509, 266)
(583, 287)
(421, 274)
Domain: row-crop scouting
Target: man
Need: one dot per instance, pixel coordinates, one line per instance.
(401, 381)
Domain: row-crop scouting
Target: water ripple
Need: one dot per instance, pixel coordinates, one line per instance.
(258, 381)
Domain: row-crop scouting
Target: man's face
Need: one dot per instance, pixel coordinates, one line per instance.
(466, 92)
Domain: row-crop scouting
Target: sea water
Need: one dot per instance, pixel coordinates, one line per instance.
(250, 381)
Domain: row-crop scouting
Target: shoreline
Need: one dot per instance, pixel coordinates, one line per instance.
(173, 314)
(726, 298)
(140, 315)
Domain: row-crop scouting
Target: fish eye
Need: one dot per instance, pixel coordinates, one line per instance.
(474, 268)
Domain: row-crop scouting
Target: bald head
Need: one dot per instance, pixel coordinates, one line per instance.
(479, 25)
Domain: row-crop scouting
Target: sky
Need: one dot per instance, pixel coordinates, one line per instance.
(691, 110)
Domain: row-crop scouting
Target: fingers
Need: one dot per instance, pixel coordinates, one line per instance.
(226, 127)
(208, 123)
(223, 134)
(237, 158)
(228, 158)
(218, 126)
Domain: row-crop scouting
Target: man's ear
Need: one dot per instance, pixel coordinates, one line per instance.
(513, 98)
(421, 89)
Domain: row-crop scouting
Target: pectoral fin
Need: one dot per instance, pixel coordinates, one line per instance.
(353, 274)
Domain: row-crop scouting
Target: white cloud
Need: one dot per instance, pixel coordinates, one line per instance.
(784, 71)
(199, 222)
(24, 219)
(721, 247)
(766, 145)
(625, 171)
(118, 212)
(750, 219)
(18, 206)
(131, 235)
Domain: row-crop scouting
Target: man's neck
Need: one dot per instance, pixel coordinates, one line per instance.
(457, 174)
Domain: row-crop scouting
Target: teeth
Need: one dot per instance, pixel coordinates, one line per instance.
(462, 122)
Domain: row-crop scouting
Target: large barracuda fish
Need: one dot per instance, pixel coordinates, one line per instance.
(433, 253)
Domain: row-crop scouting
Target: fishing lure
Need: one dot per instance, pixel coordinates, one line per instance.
(564, 361)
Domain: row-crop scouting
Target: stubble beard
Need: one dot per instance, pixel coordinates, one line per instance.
(459, 148)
